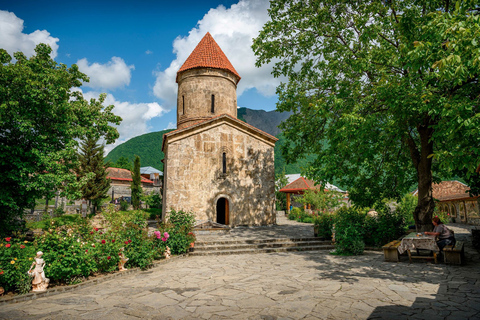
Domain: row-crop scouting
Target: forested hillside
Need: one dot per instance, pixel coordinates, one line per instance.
(147, 146)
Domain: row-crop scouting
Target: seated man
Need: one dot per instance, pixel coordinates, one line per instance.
(444, 235)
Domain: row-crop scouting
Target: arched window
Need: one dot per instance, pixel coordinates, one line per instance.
(213, 103)
(224, 162)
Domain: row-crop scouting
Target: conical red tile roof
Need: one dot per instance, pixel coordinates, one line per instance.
(207, 54)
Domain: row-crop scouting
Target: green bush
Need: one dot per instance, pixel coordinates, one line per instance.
(124, 205)
(153, 200)
(179, 226)
(154, 213)
(323, 224)
(349, 230)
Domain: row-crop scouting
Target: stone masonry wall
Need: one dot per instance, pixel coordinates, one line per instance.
(195, 90)
(194, 180)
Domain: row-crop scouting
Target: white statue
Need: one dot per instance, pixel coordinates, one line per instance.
(40, 282)
(123, 260)
(167, 253)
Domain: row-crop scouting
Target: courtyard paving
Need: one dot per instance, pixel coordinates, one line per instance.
(297, 285)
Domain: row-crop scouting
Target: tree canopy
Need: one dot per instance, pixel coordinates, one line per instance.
(41, 118)
(92, 168)
(384, 94)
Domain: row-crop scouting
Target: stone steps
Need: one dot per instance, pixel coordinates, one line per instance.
(225, 247)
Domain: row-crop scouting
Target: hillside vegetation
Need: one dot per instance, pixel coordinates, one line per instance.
(147, 146)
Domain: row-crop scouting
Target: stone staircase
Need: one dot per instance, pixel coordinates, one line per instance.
(224, 247)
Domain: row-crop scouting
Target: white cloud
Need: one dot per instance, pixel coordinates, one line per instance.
(233, 29)
(171, 125)
(135, 117)
(113, 74)
(13, 39)
(148, 52)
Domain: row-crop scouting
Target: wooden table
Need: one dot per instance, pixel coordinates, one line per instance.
(419, 242)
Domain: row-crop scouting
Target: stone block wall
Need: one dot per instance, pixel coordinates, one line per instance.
(195, 90)
(194, 178)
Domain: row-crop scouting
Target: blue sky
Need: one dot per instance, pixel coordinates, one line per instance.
(131, 50)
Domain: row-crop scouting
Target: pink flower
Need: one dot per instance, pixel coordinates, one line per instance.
(113, 241)
(129, 240)
(166, 235)
(103, 241)
(157, 234)
(164, 239)
(8, 239)
(108, 258)
(91, 232)
(8, 245)
(22, 246)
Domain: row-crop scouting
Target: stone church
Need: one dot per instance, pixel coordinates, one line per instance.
(216, 166)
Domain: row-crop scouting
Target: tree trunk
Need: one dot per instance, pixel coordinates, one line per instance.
(423, 163)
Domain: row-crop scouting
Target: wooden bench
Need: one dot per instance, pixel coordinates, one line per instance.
(390, 251)
(454, 255)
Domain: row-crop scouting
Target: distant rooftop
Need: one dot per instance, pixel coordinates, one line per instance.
(298, 183)
(149, 170)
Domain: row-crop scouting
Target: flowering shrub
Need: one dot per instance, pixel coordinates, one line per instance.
(66, 254)
(180, 228)
(16, 257)
(73, 249)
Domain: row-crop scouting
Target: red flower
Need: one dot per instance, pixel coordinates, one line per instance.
(108, 258)
(126, 242)
(96, 229)
(119, 253)
(8, 239)
(86, 251)
(103, 241)
(22, 246)
(129, 240)
(91, 232)
(113, 241)
(1, 272)
(8, 245)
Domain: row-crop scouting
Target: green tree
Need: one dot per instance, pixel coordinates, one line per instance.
(41, 118)
(280, 197)
(320, 199)
(390, 88)
(92, 168)
(136, 186)
(124, 163)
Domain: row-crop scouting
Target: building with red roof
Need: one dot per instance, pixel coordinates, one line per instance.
(216, 166)
(301, 184)
(121, 180)
(453, 198)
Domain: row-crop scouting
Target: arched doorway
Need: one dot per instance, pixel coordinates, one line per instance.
(222, 211)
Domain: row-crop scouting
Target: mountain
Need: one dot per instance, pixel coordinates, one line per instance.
(267, 121)
(149, 146)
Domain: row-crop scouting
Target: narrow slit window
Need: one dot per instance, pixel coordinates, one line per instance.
(224, 162)
(213, 103)
(183, 104)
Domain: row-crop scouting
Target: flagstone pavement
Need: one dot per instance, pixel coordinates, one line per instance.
(297, 285)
